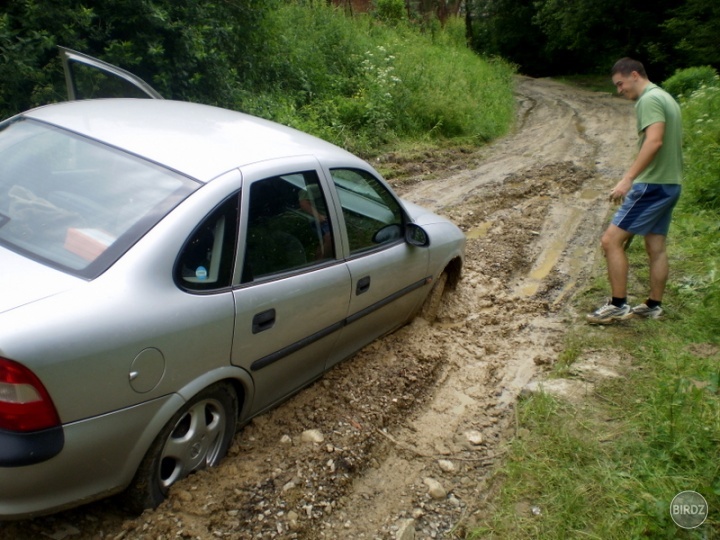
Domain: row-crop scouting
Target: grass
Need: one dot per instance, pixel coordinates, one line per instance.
(361, 84)
(608, 466)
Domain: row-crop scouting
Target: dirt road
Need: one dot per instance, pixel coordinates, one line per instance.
(399, 441)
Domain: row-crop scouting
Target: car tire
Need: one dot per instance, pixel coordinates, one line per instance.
(198, 436)
(431, 306)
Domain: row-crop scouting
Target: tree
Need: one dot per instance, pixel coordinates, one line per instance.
(506, 28)
(587, 35)
(694, 28)
(576, 36)
(189, 50)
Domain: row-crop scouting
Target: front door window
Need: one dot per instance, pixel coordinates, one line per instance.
(372, 215)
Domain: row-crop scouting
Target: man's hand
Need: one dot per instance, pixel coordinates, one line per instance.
(617, 194)
(654, 134)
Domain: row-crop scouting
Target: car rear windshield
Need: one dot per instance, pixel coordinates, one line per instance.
(75, 204)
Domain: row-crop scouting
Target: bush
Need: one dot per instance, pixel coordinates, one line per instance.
(701, 122)
(355, 81)
(685, 81)
(360, 83)
(194, 51)
(390, 11)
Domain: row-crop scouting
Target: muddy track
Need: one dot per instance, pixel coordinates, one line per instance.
(408, 431)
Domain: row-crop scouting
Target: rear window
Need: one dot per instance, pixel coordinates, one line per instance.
(75, 204)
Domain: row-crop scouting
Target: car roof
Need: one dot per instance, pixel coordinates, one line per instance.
(200, 141)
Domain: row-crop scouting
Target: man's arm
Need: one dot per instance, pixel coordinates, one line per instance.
(651, 145)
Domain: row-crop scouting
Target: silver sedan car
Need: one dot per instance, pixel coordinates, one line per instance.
(170, 270)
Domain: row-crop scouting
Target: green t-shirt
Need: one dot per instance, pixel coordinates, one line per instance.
(656, 105)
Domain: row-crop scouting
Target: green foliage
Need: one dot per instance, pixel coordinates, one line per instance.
(693, 28)
(608, 464)
(361, 84)
(506, 28)
(685, 81)
(29, 77)
(477, 107)
(453, 34)
(558, 37)
(356, 81)
(701, 121)
(560, 21)
(187, 50)
(390, 11)
(307, 51)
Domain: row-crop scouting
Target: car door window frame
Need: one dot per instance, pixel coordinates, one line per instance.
(70, 57)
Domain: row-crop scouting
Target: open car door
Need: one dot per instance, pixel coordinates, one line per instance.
(89, 78)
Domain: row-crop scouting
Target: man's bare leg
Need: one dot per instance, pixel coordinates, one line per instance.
(613, 244)
(659, 267)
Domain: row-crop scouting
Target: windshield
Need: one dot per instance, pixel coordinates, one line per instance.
(75, 204)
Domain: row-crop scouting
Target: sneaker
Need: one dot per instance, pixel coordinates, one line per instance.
(609, 313)
(645, 312)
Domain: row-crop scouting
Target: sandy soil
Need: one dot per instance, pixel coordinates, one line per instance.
(407, 433)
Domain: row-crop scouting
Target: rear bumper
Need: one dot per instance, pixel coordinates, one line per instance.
(21, 449)
(99, 457)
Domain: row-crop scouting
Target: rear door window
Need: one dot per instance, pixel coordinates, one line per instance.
(289, 226)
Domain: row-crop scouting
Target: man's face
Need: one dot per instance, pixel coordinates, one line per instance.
(627, 85)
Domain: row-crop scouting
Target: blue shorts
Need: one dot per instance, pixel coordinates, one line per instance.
(647, 209)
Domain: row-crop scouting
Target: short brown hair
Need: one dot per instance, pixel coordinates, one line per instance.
(625, 66)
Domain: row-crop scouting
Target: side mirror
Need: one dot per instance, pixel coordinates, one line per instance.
(415, 235)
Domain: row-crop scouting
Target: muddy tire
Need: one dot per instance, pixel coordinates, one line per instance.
(431, 307)
(198, 436)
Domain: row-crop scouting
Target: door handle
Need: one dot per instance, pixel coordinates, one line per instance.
(262, 321)
(363, 285)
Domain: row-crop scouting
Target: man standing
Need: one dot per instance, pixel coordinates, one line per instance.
(648, 191)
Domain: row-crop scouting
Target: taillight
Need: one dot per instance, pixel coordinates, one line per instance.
(25, 405)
